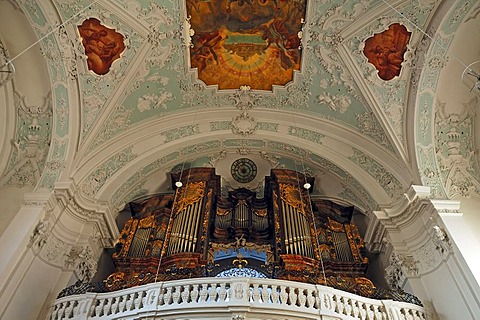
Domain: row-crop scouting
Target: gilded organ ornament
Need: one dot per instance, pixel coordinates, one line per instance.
(294, 197)
(189, 194)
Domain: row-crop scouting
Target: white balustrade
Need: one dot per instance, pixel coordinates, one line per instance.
(204, 297)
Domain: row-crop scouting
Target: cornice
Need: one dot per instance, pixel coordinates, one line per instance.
(87, 210)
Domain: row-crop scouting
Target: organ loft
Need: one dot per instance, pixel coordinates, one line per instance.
(197, 232)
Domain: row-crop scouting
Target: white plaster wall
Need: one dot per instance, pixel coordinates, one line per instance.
(11, 199)
(450, 293)
(34, 288)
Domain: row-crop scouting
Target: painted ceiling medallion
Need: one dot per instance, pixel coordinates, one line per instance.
(246, 42)
(385, 50)
(243, 170)
(102, 45)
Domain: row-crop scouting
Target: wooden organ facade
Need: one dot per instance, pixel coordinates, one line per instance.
(196, 232)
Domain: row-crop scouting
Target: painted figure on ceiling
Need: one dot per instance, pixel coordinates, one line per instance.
(246, 42)
(385, 50)
(102, 45)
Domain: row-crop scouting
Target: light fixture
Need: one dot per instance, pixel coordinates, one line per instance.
(178, 184)
(307, 185)
(471, 77)
(7, 71)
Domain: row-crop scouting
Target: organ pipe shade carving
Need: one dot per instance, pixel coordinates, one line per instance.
(295, 197)
(189, 194)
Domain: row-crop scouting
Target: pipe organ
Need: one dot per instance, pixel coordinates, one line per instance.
(197, 232)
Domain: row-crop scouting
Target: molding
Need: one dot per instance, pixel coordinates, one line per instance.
(420, 245)
(101, 215)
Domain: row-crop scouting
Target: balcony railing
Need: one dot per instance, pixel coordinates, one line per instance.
(249, 298)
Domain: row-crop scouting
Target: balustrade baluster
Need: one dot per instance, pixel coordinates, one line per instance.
(138, 300)
(378, 313)
(256, 293)
(69, 309)
(302, 298)
(310, 299)
(265, 293)
(212, 293)
(292, 297)
(274, 294)
(61, 311)
(106, 307)
(54, 313)
(347, 305)
(129, 304)
(167, 296)
(370, 313)
(362, 311)
(99, 308)
(123, 303)
(222, 292)
(186, 294)
(355, 309)
(283, 295)
(194, 293)
(339, 304)
(115, 305)
(176, 294)
(204, 293)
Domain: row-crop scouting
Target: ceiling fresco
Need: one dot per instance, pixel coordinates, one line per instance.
(254, 43)
(102, 45)
(385, 50)
(239, 76)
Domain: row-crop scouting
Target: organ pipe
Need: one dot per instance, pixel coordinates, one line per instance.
(185, 228)
(139, 243)
(297, 232)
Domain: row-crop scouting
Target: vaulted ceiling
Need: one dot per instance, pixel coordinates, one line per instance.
(115, 136)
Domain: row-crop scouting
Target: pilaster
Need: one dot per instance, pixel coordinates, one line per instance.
(425, 257)
(55, 239)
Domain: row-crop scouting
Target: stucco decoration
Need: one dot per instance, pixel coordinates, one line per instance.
(400, 268)
(279, 155)
(244, 98)
(431, 172)
(40, 235)
(94, 182)
(243, 124)
(181, 132)
(82, 261)
(387, 180)
(6, 69)
(31, 144)
(455, 149)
